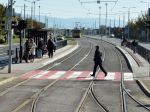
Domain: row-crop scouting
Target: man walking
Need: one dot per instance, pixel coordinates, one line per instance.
(98, 61)
(50, 48)
(134, 44)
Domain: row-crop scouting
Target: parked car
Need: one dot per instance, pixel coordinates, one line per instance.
(59, 37)
(112, 35)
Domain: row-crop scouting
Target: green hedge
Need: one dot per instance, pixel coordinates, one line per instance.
(2, 41)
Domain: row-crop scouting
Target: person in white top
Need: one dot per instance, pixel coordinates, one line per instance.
(32, 49)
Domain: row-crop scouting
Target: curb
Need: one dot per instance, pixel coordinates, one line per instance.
(125, 56)
(139, 82)
(143, 87)
(60, 56)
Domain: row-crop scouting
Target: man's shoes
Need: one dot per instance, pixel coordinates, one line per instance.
(105, 74)
(92, 75)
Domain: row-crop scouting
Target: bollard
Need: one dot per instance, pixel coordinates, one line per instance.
(16, 61)
(20, 54)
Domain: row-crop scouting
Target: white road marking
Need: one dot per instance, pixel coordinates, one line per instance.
(41, 74)
(128, 76)
(57, 75)
(74, 75)
(110, 76)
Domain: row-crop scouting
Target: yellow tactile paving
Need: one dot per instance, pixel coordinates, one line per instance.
(6, 80)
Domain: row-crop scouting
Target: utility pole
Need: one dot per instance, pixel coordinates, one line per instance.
(98, 2)
(114, 22)
(128, 20)
(110, 27)
(106, 19)
(32, 13)
(148, 11)
(39, 13)
(119, 21)
(24, 19)
(10, 10)
(100, 22)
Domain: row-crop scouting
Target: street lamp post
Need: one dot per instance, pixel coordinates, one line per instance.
(34, 6)
(99, 21)
(32, 2)
(46, 19)
(129, 19)
(123, 24)
(39, 13)
(106, 19)
(98, 2)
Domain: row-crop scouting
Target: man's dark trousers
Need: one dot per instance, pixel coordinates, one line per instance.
(101, 67)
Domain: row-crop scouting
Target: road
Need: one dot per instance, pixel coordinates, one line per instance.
(61, 85)
(4, 57)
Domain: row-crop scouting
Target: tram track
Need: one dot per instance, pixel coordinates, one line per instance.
(25, 81)
(125, 92)
(34, 99)
(89, 91)
(35, 96)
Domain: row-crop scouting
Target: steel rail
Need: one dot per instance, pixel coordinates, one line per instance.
(22, 82)
(90, 90)
(25, 81)
(34, 103)
(123, 91)
(138, 102)
(84, 97)
(123, 98)
(35, 96)
(98, 102)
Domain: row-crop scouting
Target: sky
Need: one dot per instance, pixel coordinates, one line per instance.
(80, 9)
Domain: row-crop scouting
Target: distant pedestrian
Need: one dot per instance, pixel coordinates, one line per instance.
(32, 49)
(124, 42)
(50, 47)
(55, 43)
(26, 51)
(40, 48)
(98, 61)
(134, 44)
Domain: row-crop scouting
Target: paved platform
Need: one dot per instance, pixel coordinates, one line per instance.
(22, 68)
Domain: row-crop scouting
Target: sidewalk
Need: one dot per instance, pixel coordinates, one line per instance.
(21, 68)
(139, 66)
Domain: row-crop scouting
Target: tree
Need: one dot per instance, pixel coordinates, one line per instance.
(2, 17)
(138, 27)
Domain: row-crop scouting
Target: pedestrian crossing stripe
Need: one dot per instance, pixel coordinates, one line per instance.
(75, 75)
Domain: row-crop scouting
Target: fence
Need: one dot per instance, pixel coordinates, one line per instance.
(145, 53)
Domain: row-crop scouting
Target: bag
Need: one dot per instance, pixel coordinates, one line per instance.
(45, 49)
(39, 53)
